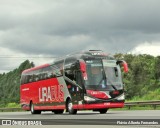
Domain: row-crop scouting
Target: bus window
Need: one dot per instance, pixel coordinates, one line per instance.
(59, 65)
(69, 68)
(55, 71)
(29, 78)
(34, 75)
(79, 80)
(23, 79)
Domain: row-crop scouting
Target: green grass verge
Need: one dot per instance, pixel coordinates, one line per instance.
(13, 105)
(147, 107)
(150, 96)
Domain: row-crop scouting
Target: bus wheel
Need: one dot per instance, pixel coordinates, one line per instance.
(70, 108)
(103, 111)
(34, 111)
(58, 111)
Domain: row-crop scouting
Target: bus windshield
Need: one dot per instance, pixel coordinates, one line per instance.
(103, 75)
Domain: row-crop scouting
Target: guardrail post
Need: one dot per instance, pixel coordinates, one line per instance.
(154, 106)
(129, 107)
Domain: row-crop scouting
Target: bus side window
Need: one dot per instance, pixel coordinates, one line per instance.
(59, 66)
(33, 78)
(40, 76)
(51, 75)
(70, 68)
(79, 80)
(47, 72)
(23, 79)
(56, 71)
(36, 77)
(30, 78)
(27, 78)
(46, 75)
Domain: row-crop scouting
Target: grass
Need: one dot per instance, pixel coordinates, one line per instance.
(150, 96)
(147, 107)
(12, 105)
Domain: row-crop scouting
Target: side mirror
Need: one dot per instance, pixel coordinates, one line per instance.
(82, 66)
(83, 69)
(125, 65)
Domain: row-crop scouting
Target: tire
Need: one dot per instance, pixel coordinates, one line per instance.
(58, 111)
(70, 108)
(32, 109)
(103, 111)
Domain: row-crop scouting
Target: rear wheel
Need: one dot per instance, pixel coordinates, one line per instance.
(103, 111)
(32, 109)
(70, 108)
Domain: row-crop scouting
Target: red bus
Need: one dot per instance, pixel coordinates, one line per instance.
(89, 80)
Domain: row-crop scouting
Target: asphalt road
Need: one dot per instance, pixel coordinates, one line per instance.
(88, 118)
(134, 114)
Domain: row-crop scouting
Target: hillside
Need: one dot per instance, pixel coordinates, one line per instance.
(143, 77)
(10, 82)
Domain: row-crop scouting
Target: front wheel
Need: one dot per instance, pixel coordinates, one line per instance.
(34, 111)
(70, 108)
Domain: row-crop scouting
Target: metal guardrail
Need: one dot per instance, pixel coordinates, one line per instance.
(143, 103)
(10, 109)
(127, 104)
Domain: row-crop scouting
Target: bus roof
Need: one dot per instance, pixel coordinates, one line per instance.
(83, 54)
(78, 55)
(36, 68)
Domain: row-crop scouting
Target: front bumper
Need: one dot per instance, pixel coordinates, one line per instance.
(99, 105)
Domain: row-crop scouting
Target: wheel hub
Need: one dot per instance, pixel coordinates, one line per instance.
(70, 105)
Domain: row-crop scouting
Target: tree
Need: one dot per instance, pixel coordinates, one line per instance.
(10, 83)
(143, 75)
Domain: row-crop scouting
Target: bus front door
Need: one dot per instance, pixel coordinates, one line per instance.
(79, 91)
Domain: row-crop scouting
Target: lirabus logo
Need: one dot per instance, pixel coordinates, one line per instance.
(51, 93)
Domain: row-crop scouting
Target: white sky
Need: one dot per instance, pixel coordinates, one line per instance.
(147, 48)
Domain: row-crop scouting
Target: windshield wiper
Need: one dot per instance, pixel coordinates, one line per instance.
(114, 87)
(100, 82)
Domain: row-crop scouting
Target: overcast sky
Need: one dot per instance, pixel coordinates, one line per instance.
(38, 29)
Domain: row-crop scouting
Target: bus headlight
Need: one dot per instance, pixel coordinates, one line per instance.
(121, 97)
(87, 98)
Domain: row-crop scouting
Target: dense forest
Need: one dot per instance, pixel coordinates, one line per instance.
(10, 83)
(143, 79)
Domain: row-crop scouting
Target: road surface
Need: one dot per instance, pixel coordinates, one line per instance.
(89, 118)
